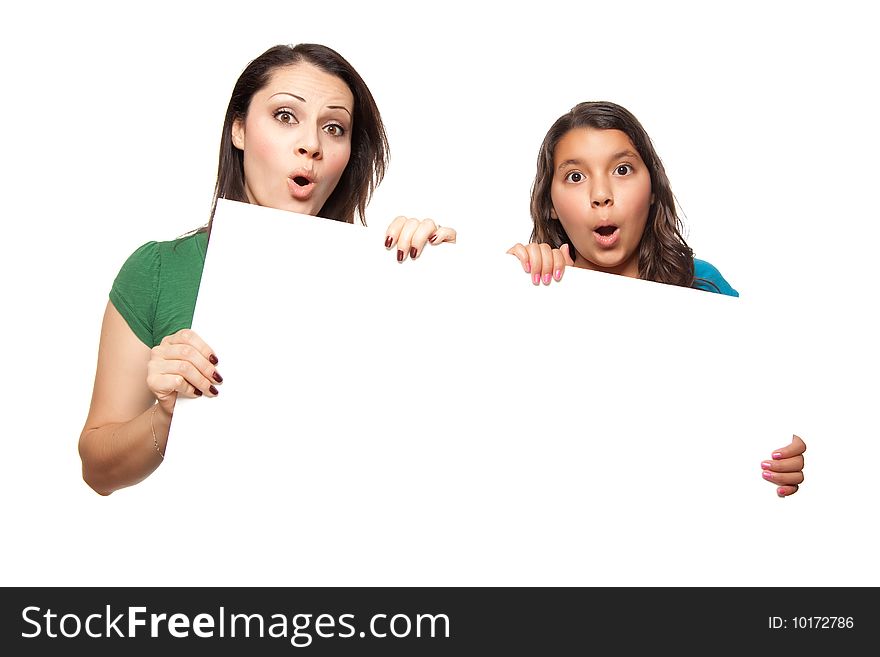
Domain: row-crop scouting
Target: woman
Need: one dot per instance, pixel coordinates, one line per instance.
(302, 133)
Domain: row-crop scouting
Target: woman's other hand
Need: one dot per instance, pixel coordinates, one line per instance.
(410, 236)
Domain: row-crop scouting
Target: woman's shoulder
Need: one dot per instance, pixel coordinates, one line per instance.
(171, 270)
(707, 277)
(150, 254)
(187, 246)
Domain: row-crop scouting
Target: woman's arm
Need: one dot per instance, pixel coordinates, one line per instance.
(116, 444)
(133, 400)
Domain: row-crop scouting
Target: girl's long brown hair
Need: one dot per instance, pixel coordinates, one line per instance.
(664, 256)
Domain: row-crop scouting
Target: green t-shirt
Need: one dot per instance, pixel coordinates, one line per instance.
(156, 289)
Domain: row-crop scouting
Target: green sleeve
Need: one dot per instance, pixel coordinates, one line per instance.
(135, 291)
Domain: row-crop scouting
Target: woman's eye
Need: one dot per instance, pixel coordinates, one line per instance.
(575, 177)
(285, 116)
(335, 130)
(624, 170)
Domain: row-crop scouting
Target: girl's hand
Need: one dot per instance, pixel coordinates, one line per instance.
(786, 467)
(182, 364)
(542, 262)
(411, 235)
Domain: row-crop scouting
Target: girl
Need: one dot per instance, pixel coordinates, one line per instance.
(302, 133)
(601, 201)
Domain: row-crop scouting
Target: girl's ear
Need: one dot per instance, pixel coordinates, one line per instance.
(553, 214)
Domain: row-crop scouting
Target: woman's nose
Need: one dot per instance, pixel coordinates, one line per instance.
(309, 145)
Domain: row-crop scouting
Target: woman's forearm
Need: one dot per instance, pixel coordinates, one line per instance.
(122, 454)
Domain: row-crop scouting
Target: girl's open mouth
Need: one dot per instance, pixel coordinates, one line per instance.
(607, 236)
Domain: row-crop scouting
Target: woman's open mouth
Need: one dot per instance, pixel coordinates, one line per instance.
(300, 186)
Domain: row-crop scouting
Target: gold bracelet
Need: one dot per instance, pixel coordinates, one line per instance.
(153, 431)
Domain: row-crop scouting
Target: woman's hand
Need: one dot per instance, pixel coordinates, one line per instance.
(182, 364)
(786, 467)
(542, 261)
(411, 235)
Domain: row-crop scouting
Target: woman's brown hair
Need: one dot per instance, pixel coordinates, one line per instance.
(664, 256)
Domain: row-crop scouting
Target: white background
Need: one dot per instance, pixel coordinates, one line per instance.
(764, 115)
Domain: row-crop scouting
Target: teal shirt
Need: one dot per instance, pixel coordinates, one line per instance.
(156, 289)
(711, 280)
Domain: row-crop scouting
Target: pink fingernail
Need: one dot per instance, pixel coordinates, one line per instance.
(557, 275)
(781, 492)
(766, 465)
(777, 455)
(536, 278)
(546, 279)
(528, 267)
(767, 475)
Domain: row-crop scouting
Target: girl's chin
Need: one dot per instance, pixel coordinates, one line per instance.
(607, 263)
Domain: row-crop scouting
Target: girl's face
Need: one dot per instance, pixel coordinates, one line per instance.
(601, 192)
(296, 139)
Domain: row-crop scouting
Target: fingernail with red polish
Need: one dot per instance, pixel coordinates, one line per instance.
(216, 376)
(213, 359)
(412, 252)
(214, 390)
(399, 255)
(767, 475)
(766, 465)
(197, 392)
(432, 238)
(777, 455)
(388, 241)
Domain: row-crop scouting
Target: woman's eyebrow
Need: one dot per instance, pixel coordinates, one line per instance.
(287, 93)
(345, 109)
(303, 100)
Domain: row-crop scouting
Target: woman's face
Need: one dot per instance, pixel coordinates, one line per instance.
(601, 192)
(296, 139)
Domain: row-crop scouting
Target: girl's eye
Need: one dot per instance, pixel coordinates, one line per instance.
(574, 177)
(623, 170)
(285, 116)
(334, 129)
